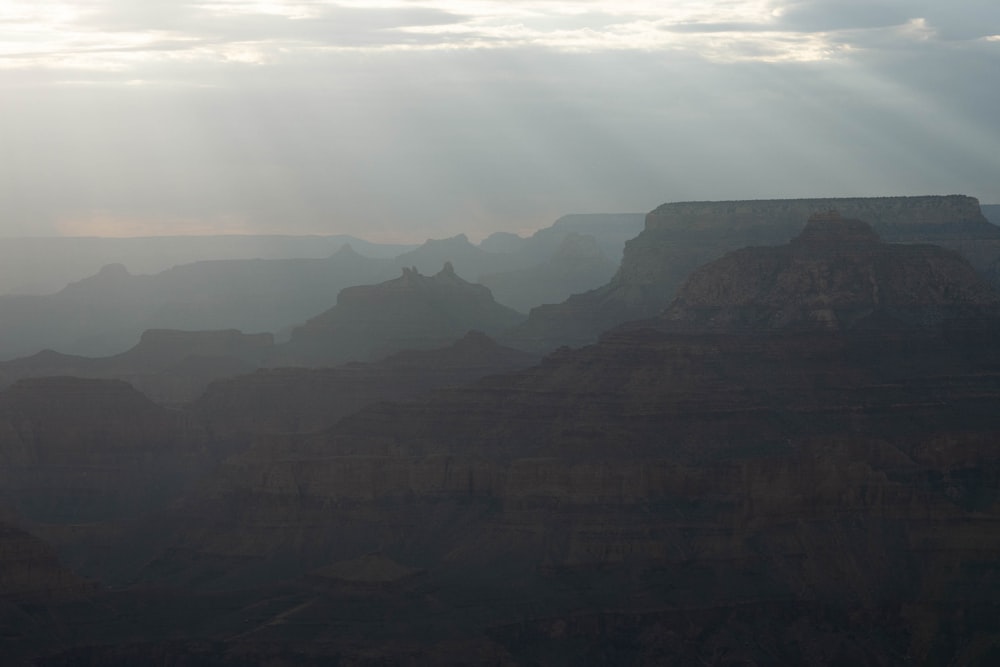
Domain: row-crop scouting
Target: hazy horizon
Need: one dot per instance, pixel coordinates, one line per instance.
(407, 120)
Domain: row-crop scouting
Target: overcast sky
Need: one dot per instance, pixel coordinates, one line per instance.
(402, 120)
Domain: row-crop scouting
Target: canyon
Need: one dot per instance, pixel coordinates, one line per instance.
(792, 461)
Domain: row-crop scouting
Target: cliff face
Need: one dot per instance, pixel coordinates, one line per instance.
(835, 274)
(710, 493)
(783, 495)
(897, 219)
(840, 488)
(679, 237)
(411, 312)
(76, 450)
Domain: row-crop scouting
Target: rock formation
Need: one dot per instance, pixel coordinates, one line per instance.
(835, 274)
(170, 367)
(679, 237)
(413, 311)
(768, 494)
(79, 450)
(300, 400)
(738, 481)
(106, 313)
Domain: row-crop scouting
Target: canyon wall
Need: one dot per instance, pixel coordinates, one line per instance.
(681, 236)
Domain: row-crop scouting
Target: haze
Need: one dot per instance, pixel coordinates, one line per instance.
(398, 121)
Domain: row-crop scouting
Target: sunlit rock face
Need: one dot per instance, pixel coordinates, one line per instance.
(783, 494)
(413, 311)
(681, 236)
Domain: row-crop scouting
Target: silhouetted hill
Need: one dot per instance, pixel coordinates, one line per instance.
(46, 265)
(170, 367)
(410, 312)
(106, 313)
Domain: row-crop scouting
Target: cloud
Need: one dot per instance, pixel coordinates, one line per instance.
(448, 116)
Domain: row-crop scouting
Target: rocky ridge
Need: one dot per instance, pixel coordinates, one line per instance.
(412, 311)
(835, 274)
(170, 367)
(681, 236)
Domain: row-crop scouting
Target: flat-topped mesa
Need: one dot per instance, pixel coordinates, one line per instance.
(680, 236)
(831, 227)
(893, 216)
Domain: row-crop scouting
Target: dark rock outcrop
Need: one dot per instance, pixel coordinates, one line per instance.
(679, 237)
(413, 311)
(835, 274)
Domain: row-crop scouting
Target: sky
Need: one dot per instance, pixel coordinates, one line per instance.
(401, 120)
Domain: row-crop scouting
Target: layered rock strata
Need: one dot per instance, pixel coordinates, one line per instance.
(835, 274)
(777, 495)
(80, 450)
(681, 236)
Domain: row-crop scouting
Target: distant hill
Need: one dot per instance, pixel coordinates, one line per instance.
(410, 312)
(46, 265)
(106, 313)
(170, 367)
(576, 265)
(610, 230)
